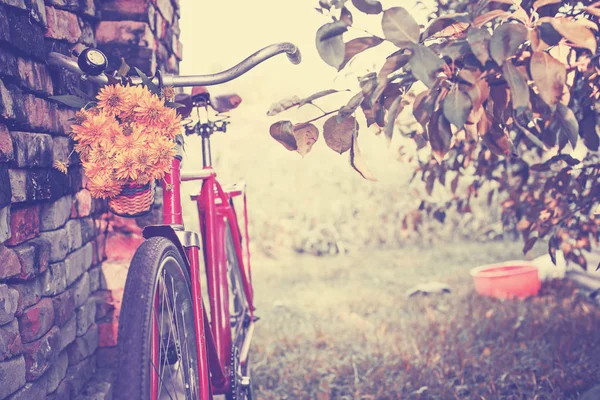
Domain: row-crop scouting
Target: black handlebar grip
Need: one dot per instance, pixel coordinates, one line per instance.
(92, 61)
(295, 57)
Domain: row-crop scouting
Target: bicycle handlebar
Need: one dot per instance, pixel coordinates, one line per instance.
(293, 54)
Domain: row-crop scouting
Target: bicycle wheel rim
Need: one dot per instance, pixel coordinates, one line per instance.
(173, 361)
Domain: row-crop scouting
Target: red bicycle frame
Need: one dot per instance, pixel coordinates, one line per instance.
(215, 209)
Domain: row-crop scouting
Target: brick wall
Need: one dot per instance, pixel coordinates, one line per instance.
(54, 301)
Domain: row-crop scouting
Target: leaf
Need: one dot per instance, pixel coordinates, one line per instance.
(489, 16)
(315, 96)
(358, 45)
(399, 26)
(594, 9)
(395, 110)
(506, 40)
(549, 75)
(425, 65)
(70, 100)
(440, 24)
(338, 135)
(357, 162)
(457, 107)
(479, 40)
(368, 6)
(589, 130)
(147, 82)
(123, 68)
(282, 131)
(306, 135)
(440, 135)
(541, 3)
(283, 105)
(172, 104)
(519, 91)
(346, 16)
(352, 105)
(568, 123)
(423, 106)
(529, 244)
(330, 44)
(575, 33)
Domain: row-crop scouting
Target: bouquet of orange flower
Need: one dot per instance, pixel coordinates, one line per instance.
(126, 140)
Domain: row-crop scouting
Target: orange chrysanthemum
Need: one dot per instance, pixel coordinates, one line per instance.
(101, 187)
(114, 99)
(126, 167)
(135, 138)
(94, 128)
(150, 111)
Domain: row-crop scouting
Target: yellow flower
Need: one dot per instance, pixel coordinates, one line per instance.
(102, 187)
(172, 123)
(95, 127)
(150, 111)
(135, 139)
(126, 167)
(114, 99)
(60, 166)
(162, 149)
(169, 93)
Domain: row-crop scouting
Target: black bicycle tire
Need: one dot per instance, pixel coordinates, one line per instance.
(133, 350)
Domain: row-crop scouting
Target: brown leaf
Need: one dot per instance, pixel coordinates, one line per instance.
(440, 135)
(575, 33)
(439, 26)
(425, 64)
(507, 38)
(282, 131)
(357, 161)
(346, 16)
(519, 90)
(457, 107)
(479, 40)
(358, 45)
(338, 135)
(400, 27)
(589, 130)
(368, 6)
(594, 9)
(424, 105)
(330, 44)
(489, 16)
(306, 135)
(541, 3)
(395, 110)
(549, 75)
(568, 123)
(283, 105)
(352, 105)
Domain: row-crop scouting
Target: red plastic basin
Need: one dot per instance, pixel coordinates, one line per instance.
(507, 280)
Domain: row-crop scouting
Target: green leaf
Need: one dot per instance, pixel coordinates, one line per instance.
(440, 135)
(338, 135)
(425, 64)
(173, 104)
(395, 110)
(147, 82)
(518, 87)
(358, 45)
(70, 100)
(568, 123)
(457, 107)
(424, 105)
(330, 43)
(283, 132)
(479, 40)
(506, 40)
(368, 6)
(352, 105)
(400, 27)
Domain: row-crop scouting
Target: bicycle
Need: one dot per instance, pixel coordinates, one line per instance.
(169, 345)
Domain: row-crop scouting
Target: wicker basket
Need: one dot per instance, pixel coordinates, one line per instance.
(133, 201)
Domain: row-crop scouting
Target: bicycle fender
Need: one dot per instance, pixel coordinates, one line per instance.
(179, 238)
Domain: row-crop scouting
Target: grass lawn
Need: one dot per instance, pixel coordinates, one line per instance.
(343, 328)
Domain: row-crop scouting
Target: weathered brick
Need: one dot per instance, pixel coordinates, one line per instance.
(61, 149)
(41, 115)
(108, 330)
(78, 262)
(83, 203)
(79, 374)
(35, 76)
(10, 341)
(83, 346)
(33, 257)
(27, 37)
(37, 10)
(5, 232)
(94, 273)
(73, 228)
(104, 303)
(56, 214)
(24, 224)
(4, 26)
(30, 293)
(5, 188)
(64, 115)
(67, 333)
(57, 371)
(54, 280)
(81, 290)
(9, 302)
(143, 58)
(99, 245)
(40, 354)
(12, 103)
(9, 263)
(86, 316)
(8, 63)
(125, 32)
(97, 390)
(32, 149)
(87, 33)
(64, 308)
(62, 392)
(166, 9)
(6, 145)
(106, 357)
(12, 375)
(88, 230)
(178, 50)
(137, 10)
(62, 25)
(18, 184)
(31, 390)
(15, 3)
(59, 244)
(36, 320)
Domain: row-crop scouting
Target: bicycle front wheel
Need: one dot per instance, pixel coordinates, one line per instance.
(157, 357)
